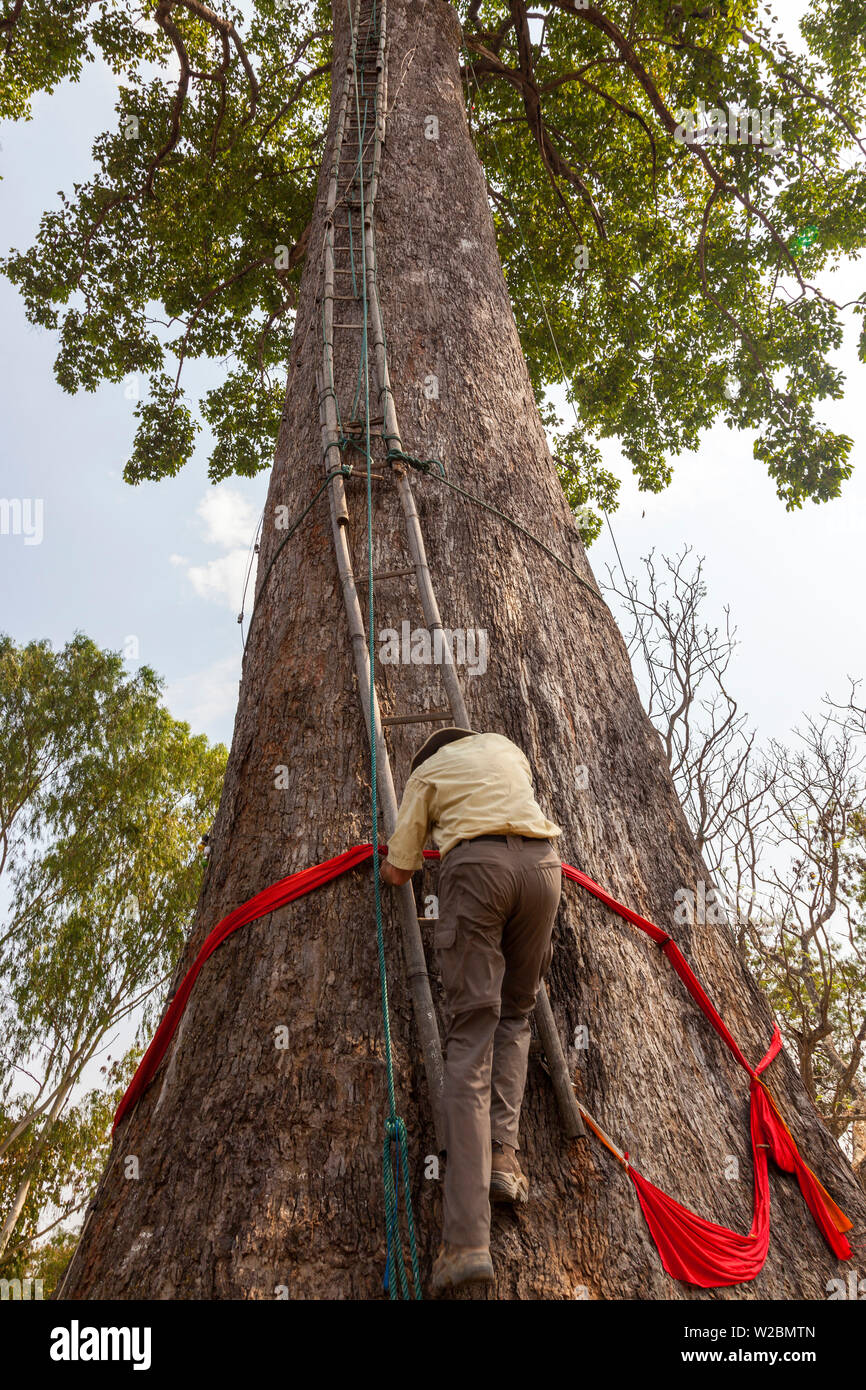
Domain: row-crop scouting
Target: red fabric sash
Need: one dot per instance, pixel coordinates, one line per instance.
(671, 950)
(699, 1251)
(691, 1249)
(295, 886)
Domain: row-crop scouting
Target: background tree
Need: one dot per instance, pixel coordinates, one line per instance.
(781, 829)
(678, 273)
(60, 1177)
(104, 797)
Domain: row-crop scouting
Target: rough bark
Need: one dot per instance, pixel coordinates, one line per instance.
(260, 1168)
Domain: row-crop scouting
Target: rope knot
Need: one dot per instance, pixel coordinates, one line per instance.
(421, 465)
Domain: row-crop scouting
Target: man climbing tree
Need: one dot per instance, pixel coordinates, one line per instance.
(498, 896)
(666, 183)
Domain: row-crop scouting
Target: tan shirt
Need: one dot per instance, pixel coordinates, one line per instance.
(478, 785)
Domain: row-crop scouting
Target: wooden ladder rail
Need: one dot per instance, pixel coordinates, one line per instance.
(413, 945)
(545, 1022)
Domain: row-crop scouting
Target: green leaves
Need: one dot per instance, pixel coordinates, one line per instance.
(584, 481)
(103, 800)
(244, 416)
(43, 42)
(183, 244)
(678, 271)
(164, 439)
(61, 1178)
(698, 302)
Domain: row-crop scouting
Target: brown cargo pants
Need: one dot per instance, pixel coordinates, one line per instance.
(497, 906)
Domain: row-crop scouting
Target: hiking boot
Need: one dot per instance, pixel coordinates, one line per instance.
(507, 1182)
(461, 1264)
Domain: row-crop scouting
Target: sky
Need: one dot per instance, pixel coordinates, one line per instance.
(158, 570)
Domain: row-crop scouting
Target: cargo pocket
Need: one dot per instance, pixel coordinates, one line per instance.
(445, 951)
(444, 937)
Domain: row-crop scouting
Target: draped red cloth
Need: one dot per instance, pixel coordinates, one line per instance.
(295, 886)
(671, 950)
(692, 1249)
(699, 1251)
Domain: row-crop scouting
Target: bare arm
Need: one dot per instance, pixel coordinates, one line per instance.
(394, 876)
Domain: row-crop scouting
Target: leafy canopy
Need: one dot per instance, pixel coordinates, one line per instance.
(104, 798)
(669, 181)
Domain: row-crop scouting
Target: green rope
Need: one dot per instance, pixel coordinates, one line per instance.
(423, 465)
(395, 1130)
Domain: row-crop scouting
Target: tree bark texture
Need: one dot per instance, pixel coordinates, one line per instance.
(260, 1168)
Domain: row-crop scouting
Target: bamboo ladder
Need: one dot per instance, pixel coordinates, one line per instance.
(361, 127)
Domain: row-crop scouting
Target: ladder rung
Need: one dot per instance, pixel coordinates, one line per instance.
(384, 574)
(431, 717)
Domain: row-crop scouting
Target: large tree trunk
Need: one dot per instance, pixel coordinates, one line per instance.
(261, 1167)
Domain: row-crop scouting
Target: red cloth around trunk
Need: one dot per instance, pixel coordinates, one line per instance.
(691, 1249)
(285, 891)
(699, 1251)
